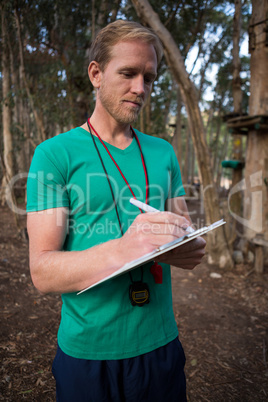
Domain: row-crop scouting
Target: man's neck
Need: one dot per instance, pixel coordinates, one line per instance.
(116, 134)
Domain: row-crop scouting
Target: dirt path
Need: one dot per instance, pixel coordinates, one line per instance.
(223, 326)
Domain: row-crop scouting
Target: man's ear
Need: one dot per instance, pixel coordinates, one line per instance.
(95, 74)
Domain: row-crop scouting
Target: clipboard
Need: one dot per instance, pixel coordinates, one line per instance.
(158, 251)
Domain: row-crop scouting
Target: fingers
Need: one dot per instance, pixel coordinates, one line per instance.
(186, 256)
(151, 230)
(181, 261)
(195, 247)
(163, 218)
(161, 223)
(196, 244)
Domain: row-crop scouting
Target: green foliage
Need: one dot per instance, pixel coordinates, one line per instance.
(56, 40)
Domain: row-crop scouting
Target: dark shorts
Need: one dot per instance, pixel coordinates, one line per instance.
(157, 376)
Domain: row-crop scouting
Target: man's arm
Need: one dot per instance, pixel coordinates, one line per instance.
(190, 254)
(54, 270)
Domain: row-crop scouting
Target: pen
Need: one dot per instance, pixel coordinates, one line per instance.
(142, 205)
(148, 208)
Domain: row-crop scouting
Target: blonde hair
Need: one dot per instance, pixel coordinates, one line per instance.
(121, 30)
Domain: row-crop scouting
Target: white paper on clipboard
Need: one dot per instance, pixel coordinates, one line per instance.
(160, 250)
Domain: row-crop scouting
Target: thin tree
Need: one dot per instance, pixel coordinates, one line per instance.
(7, 161)
(236, 202)
(7, 158)
(37, 117)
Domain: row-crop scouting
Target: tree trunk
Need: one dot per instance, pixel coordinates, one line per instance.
(38, 119)
(19, 157)
(6, 194)
(209, 128)
(8, 167)
(222, 156)
(186, 162)
(115, 10)
(167, 108)
(209, 121)
(237, 92)
(216, 146)
(93, 34)
(258, 102)
(192, 165)
(178, 142)
(217, 246)
(102, 16)
(256, 170)
(236, 202)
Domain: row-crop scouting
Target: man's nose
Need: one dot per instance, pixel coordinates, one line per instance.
(138, 86)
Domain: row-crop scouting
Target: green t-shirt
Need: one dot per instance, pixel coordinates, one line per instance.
(66, 171)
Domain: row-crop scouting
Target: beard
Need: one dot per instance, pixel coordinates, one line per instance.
(120, 110)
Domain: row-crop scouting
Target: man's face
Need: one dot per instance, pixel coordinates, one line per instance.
(127, 80)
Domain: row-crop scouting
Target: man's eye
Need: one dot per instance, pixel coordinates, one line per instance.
(148, 80)
(127, 75)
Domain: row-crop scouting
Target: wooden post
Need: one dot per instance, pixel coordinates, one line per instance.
(258, 266)
(260, 244)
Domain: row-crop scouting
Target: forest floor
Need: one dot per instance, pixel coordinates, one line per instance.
(223, 325)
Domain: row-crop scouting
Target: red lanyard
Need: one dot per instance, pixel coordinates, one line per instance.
(120, 171)
(156, 269)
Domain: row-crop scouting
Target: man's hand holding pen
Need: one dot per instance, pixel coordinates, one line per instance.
(153, 229)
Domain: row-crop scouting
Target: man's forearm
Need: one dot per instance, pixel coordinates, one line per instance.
(72, 271)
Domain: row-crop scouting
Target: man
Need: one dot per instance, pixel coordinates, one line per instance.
(113, 345)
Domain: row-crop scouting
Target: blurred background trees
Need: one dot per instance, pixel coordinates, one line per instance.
(45, 48)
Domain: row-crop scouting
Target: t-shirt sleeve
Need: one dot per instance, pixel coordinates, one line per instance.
(176, 186)
(46, 184)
